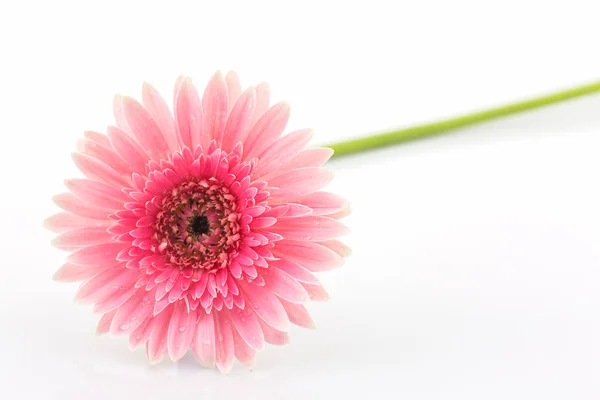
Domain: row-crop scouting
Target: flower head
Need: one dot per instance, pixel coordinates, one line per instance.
(200, 229)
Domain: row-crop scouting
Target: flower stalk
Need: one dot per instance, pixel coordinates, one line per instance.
(394, 137)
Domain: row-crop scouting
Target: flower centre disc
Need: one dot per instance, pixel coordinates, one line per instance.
(197, 225)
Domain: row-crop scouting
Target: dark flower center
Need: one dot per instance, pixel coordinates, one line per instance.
(198, 225)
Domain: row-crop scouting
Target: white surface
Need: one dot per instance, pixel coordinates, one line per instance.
(475, 271)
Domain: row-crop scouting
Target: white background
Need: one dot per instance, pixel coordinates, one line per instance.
(475, 271)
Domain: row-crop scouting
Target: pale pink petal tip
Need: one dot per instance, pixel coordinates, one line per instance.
(234, 89)
(57, 276)
(104, 323)
(200, 226)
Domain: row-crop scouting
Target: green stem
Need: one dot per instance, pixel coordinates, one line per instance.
(435, 128)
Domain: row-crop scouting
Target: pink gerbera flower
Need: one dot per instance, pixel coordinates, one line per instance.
(200, 230)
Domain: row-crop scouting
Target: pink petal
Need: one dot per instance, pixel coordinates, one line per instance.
(239, 120)
(83, 236)
(97, 170)
(115, 299)
(248, 327)
(141, 334)
(204, 340)
(262, 222)
(104, 323)
(266, 130)
(97, 193)
(273, 335)
(296, 210)
(162, 303)
(128, 149)
(143, 232)
(340, 248)
(97, 137)
(282, 151)
(224, 348)
(159, 110)
(314, 157)
(263, 96)
(298, 314)
(323, 203)
(63, 222)
(316, 292)
(69, 202)
(294, 270)
(104, 154)
(189, 115)
(119, 113)
(75, 273)
(181, 330)
(266, 305)
(254, 211)
(312, 256)
(98, 254)
(108, 283)
(284, 286)
(178, 84)
(341, 214)
(156, 347)
(214, 104)
(244, 353)
(144, 128)
(300, 182)
(315, 228)
(233, 88)
(132, 313)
